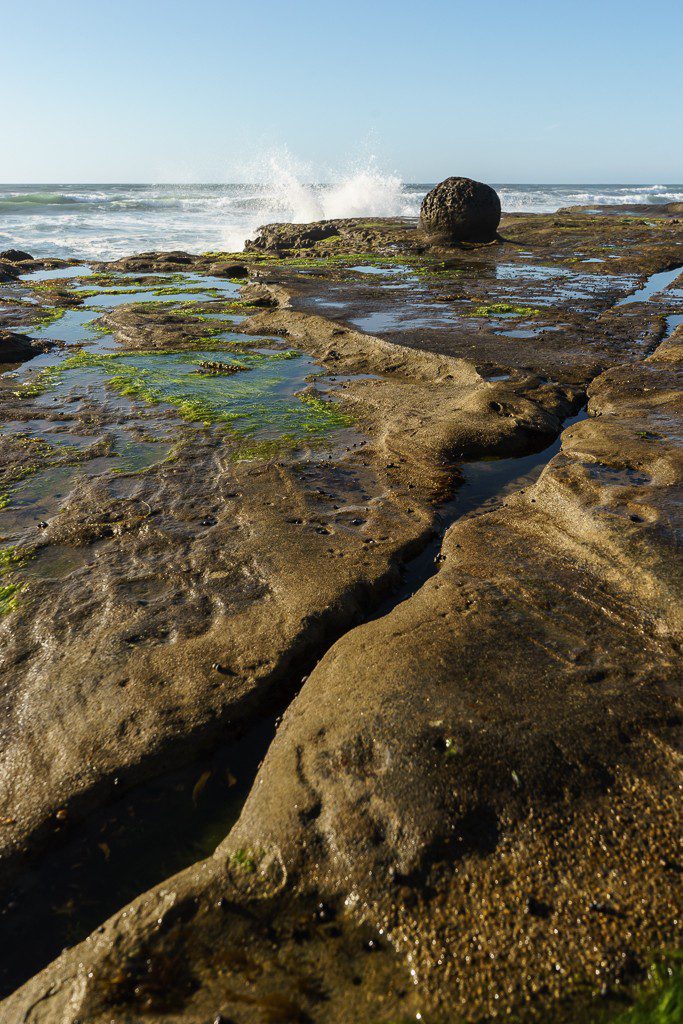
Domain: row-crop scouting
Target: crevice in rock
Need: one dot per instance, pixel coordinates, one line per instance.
(170, 822)
(165, 824)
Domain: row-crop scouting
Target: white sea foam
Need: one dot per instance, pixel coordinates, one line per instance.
(287, 196)
(106, 221)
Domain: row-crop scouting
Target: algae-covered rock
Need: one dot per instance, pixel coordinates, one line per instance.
(146, 262)
(291, 236)
(468, 811)
(461, 210)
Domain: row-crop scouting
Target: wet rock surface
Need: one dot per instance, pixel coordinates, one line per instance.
(17, 348)
(292, 236)
(458, 811)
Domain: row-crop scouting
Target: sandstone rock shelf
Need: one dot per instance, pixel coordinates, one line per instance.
(468, 787)
(175, 820)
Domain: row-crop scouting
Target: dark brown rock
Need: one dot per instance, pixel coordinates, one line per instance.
(17, 348)
(230, 270)
(278, 237)
(146, 262)
(15, 256)
(8, 272)
(461, 210)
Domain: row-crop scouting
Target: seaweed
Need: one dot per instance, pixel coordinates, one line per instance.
(10, 561)
(660, 1000)
(48, 315)
(251, 403)
(504, 309)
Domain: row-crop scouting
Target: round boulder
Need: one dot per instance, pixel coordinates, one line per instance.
(461, 210)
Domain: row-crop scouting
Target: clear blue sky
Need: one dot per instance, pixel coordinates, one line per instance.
(161, 90)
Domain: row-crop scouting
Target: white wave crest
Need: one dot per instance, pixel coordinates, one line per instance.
(106, 221)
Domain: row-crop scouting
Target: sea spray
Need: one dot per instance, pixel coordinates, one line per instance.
(108, 221)
(364, 191)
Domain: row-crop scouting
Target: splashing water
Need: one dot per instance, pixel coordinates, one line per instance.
(107, 221)
(364, 192)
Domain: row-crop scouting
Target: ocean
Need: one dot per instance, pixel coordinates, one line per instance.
(107, 221)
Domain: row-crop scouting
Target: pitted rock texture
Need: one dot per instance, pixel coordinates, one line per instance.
(478, 778)
(470, 808)
(461, 210)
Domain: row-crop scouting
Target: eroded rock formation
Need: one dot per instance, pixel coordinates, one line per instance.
(461, 210)
(469, 807)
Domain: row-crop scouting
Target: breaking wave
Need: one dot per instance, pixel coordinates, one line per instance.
(105, 221)
(287, 196)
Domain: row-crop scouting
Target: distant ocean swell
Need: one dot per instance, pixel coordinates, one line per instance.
(106, 221)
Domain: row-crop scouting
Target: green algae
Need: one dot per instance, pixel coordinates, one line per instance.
(262, 404)
(504, 309)
(235, 257)
(40, 451)
(451, 748)
(8, 597)
(89, 293)
(44, 456)
(648, 435)
(662, 1002)
(160, 291)
(245, 860)
(194, 308)
(98, 327)
(299, 258)
(659, 1000)
(47, 378)
(48, 287)
(348, 260)
(126, 279)
(10, 561)
(263, 451)
(139, 456)
(49, 315)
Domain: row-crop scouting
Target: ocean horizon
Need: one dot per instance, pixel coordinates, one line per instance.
(107, 220)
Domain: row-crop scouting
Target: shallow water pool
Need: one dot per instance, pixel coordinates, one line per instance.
(655, 284)
(84, 270)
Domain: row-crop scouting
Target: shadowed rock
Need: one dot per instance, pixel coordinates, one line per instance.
(16, 348)
(228, 270)
(8, 272)
(15, 255)
(461, 210)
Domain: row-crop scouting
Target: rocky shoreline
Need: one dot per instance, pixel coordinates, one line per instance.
(469, 808)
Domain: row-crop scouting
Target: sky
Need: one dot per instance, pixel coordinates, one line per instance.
(167, 91)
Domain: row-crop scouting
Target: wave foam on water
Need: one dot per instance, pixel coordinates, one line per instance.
(548, 198)
(107, 221)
